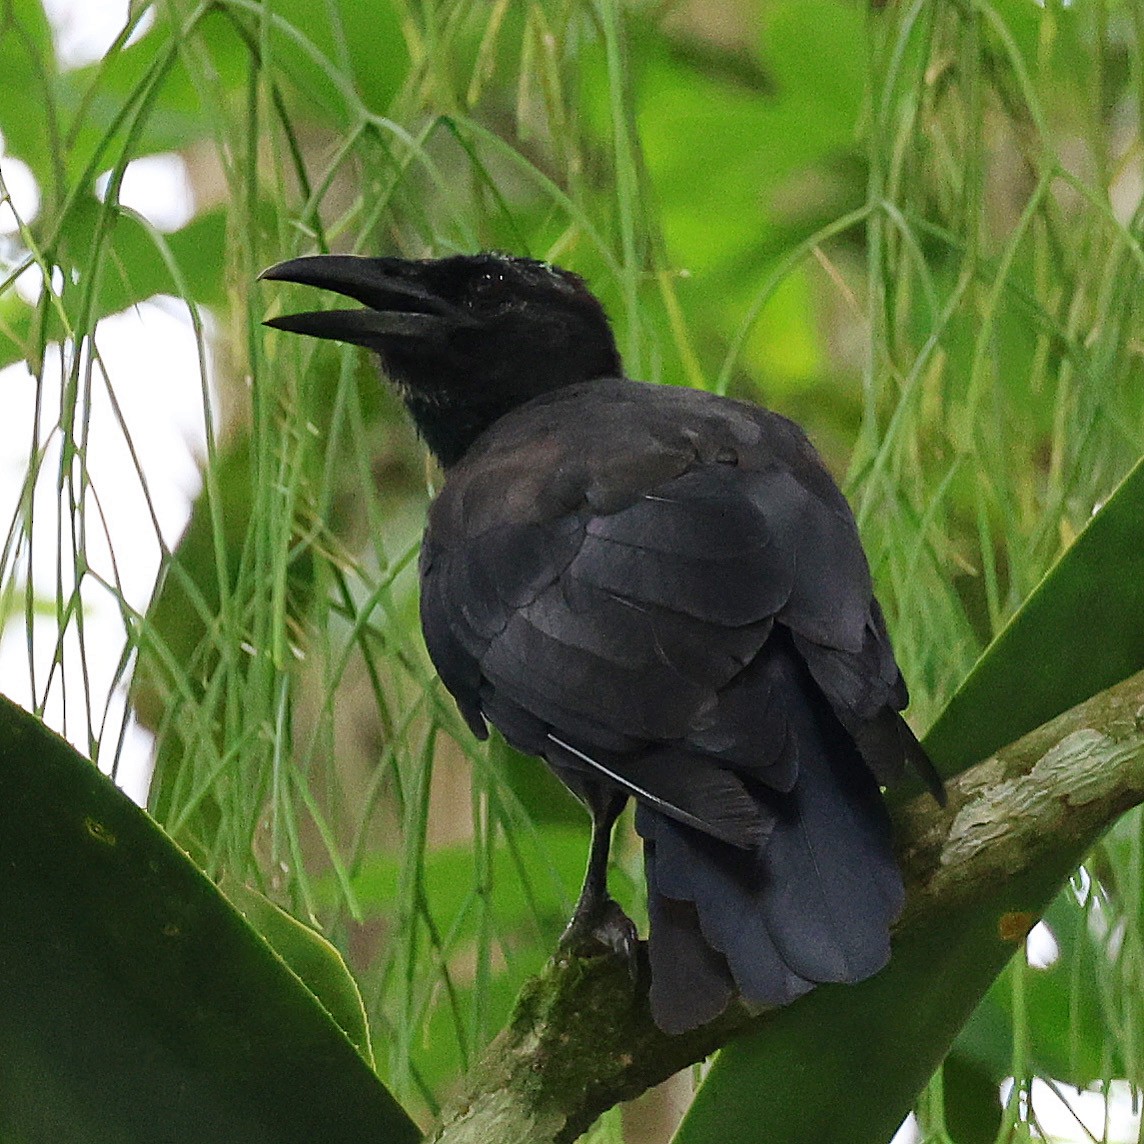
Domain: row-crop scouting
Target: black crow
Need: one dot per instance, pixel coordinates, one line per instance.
(662, 593)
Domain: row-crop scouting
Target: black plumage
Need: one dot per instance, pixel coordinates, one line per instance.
(663, 594)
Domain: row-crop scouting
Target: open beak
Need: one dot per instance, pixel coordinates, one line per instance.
(397, 306)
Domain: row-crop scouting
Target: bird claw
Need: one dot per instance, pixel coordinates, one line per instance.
(602, 928)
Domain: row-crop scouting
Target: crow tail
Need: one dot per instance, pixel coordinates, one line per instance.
(813, 903)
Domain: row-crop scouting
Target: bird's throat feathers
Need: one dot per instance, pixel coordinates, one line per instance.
(448, 423)
(457, 404)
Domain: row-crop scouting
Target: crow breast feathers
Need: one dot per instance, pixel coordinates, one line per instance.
(665, 591)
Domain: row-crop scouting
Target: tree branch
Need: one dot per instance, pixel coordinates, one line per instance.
(582, 1038)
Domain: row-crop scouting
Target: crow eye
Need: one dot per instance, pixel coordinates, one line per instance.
(488, 286)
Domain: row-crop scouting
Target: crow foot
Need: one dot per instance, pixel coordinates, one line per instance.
(601, 927)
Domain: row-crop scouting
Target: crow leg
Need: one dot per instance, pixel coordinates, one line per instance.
(598, 920)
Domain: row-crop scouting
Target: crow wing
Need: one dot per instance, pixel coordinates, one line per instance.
(607, 561)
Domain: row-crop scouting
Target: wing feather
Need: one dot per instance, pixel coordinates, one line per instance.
(623, 593)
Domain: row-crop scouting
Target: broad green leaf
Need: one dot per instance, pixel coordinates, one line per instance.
(17, 322)
(316, 962)
(135, 1003)
(134, 269)
(552, 862)
(27, 78)
(826, 72)
(357, 43)
(1083, 629)
(543, 796)
(93, 99)
(802, 112)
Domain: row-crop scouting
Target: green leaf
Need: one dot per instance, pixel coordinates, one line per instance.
(542, 795)
(94, 98)
(316, 962)
(134, 268)
(364, 41)
(826, 71)
(135, 1003)
(691, 120)
(552, 861)
(27, 76)
(1082, 628)
(135, 263)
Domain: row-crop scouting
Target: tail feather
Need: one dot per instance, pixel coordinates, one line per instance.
(832, 885)
(813, 903)
(719, 888)
(691, 982)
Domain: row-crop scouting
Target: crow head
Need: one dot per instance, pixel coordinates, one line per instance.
(465, 338)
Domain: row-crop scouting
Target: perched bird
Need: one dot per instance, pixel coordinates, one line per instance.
(662, 593)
